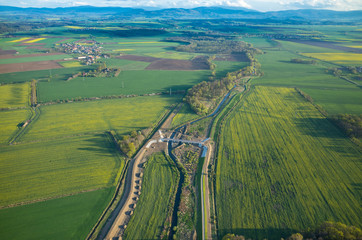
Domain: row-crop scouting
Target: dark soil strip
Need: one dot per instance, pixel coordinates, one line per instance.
(7, 52)
(29, 66)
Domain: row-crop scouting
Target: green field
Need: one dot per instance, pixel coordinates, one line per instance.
(223, 67)
(33, 59)
(336, 101)
(332, 93)
(42, 170)
(14, 95)
(278, 70)
(127, 82)
(65, 218)
(173, 55)
(122, 115)
(283, 167)
(9, 121)
(125, 65)
(60, 74)
(159, 186)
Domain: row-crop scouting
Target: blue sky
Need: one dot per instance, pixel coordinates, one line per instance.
(261, 5)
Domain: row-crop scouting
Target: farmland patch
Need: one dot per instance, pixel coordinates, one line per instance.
(121, 115)
(174, 64)
(9, 56)
(66, 218)
(14, 95)
(329, 44)
(43, 170)
(127, 82)
(138, 58)
(28, 66)
(10, 122)
(337, 57)
(282, 166)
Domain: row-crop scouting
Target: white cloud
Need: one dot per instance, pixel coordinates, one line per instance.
(257, 4)
(304, 4)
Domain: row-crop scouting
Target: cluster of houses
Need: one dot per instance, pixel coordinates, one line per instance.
(89, 51)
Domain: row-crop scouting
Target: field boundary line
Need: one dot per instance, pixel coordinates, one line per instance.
(48, 198)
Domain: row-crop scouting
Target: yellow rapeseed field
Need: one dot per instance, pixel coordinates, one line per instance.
(335, 57)
(35, 40)
(14, 95)
(19, 40)
(74, 27)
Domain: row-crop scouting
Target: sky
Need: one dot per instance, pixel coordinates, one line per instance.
(260, 5)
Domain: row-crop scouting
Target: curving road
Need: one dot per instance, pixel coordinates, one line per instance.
(126, 204)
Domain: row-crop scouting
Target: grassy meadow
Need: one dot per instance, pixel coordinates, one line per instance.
(122, 115)
(55, 168)
(65, 218)
(283, 167)
(158, 188)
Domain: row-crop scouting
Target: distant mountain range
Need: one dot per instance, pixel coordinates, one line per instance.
(182, 13)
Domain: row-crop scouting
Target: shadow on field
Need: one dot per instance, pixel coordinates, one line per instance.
(99, 144)
(318, 127)
(267, 233)
(323, 128)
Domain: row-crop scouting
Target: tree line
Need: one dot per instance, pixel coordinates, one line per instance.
(326, 231)
(200, 95)
(350, 124)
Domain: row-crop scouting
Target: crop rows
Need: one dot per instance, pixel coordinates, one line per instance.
(283, 167)
(36, 171)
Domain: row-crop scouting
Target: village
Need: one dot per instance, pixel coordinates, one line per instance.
(90, 51)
